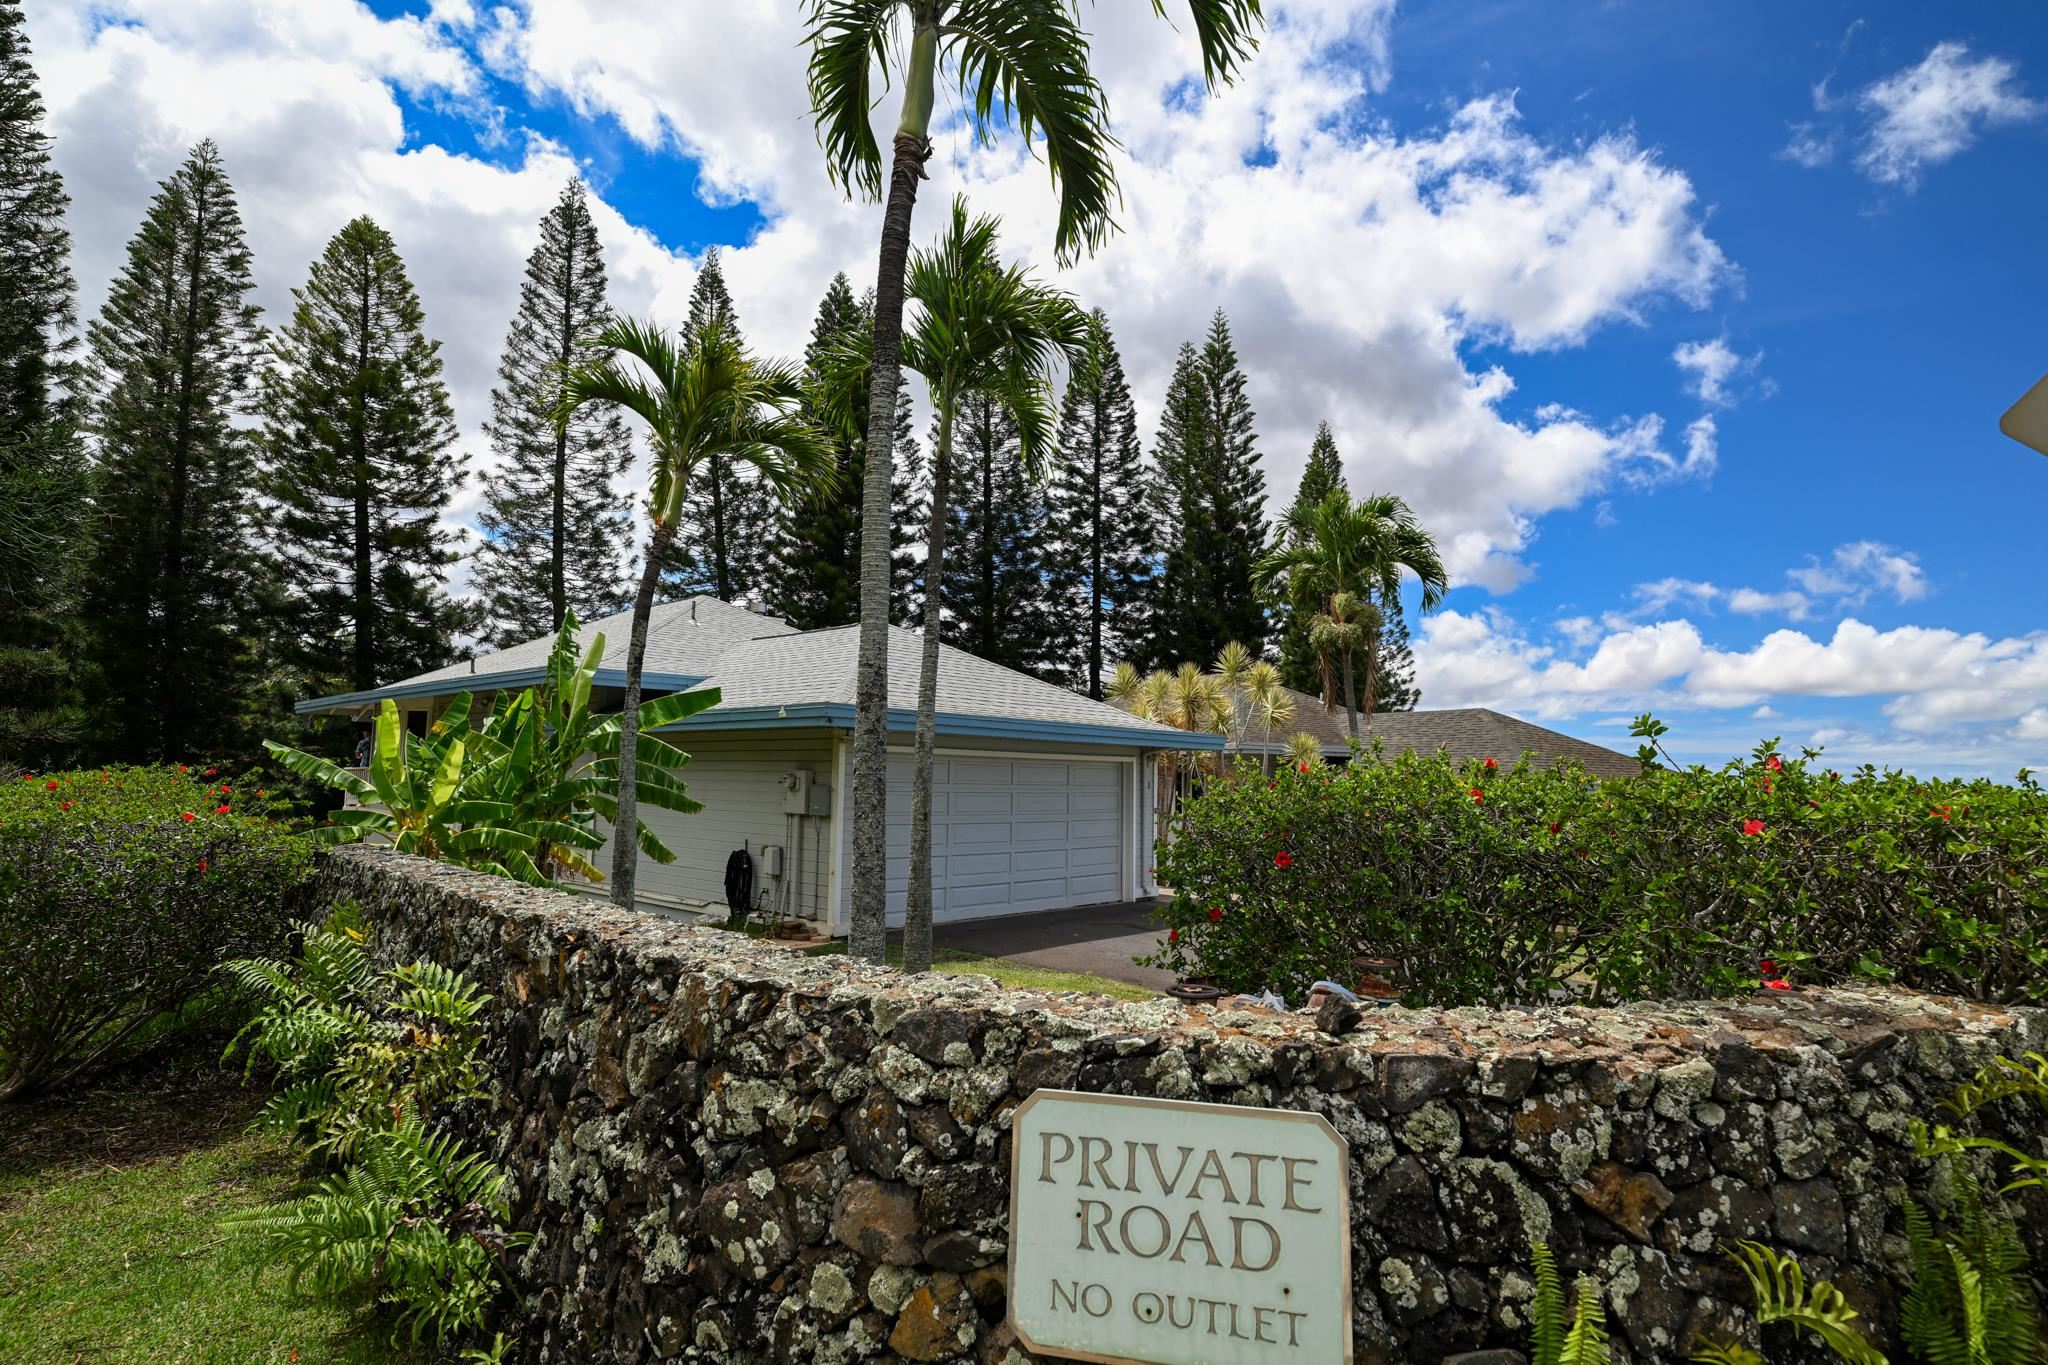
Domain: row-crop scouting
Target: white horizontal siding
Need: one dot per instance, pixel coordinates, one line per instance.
(738, 777)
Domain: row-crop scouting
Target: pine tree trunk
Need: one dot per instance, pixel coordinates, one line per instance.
(917, 912)
(365, 585)
(1095, 563)
(867, 803)
(625, 829)
(558, 530)
(175, 598)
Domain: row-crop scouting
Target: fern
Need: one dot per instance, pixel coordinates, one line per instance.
(414, 1224)
(1725, 1353)
(1551, 1341)
(1783, 1295)
(1970, 1303)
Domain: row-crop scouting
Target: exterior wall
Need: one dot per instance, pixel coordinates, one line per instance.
(728, 1152)
(738, 777)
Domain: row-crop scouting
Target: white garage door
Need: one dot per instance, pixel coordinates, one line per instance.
(1011, 834)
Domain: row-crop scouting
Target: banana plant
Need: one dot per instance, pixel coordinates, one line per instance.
(518, 793)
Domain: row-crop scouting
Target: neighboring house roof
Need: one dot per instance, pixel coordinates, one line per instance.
(1471, 732)
(771, 675)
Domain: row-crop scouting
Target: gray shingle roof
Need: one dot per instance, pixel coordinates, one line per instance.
(762, 664)
(817, 668)
(1471, 732)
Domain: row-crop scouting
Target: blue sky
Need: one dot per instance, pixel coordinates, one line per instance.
(1477, 238)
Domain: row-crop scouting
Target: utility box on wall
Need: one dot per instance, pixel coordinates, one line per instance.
(804, 794)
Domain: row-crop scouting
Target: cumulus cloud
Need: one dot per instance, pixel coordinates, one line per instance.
(1712, 369)
(1929, 113)
(1850, 577)
(1358, 263)
(1916, 117)
(1928, 683)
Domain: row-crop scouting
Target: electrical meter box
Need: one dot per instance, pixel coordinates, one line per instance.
(804, 794)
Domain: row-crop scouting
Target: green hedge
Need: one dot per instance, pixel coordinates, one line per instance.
(1518, 883)
(121, 890)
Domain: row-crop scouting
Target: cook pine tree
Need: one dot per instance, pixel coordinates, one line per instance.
(814, 576)
(1300, 668)
(1211, 507)
(42, 468)
(725, 542)
(557, 535)
(1099, 518)
(359, 447)
(176, 575)
(993, 592)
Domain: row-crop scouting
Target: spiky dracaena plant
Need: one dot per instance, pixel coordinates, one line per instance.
(1554, 1337)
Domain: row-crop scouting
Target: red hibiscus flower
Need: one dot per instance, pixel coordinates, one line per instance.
(220, 810)
(260, 792)
(1281, 859)
(1774, 763)
(1779, 984)
(50, 785)
(1555, 828)
(1939, 812)
(187, 816)
(63, 805)
(1173, 935)
(1491, 765)
(1215, 913)
(212, 772)
(1478, 797)
(183, 769)
(1301, 767)
(202, 867)
(1752, 827)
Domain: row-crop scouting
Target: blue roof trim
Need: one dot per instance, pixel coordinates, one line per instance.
(902, 720)
(507, 681)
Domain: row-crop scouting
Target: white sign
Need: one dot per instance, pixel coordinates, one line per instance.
(1170, 1233)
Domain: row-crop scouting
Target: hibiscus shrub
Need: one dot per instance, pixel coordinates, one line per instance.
(1504, 883)
(120, 892)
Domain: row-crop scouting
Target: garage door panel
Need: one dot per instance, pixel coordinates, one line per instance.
(1011, 835)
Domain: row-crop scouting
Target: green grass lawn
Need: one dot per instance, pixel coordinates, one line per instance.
(1020, 974)
(110, 1248)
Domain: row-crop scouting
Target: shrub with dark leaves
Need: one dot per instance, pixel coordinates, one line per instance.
(1515, 883)
(120, 892)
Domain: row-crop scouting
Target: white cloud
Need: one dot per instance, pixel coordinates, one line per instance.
(1926, 114)
(1751, 602)
(1810, 146)
(1711, 368)
(1947, 696)
(1499, 236)
(1857, 570)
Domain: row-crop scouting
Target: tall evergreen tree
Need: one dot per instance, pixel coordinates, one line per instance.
(359, 444)
(814, 577)
(1299, 667)
(1212, 504)
(993, 584)
(1397, 690)
(1099, 517)
(42, 473)
(557, 532)
(726, 542)
(175, 570)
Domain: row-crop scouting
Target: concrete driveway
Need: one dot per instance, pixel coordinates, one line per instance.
(1098, 939)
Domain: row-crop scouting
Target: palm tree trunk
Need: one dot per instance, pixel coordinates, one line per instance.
(625, 829)
(917, 910)
(1350, 698)
(867, 803)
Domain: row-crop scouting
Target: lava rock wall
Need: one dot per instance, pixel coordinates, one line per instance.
(725, 1151)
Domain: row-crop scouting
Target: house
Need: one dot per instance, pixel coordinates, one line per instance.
(1467, 733)
(1042, 798)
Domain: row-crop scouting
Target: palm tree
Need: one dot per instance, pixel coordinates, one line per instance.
(1271, 704)
(1348, 556)
(708, 399)
(1019, 64)
(980, 328)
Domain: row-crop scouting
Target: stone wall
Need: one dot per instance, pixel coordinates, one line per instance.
(727, 1152)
